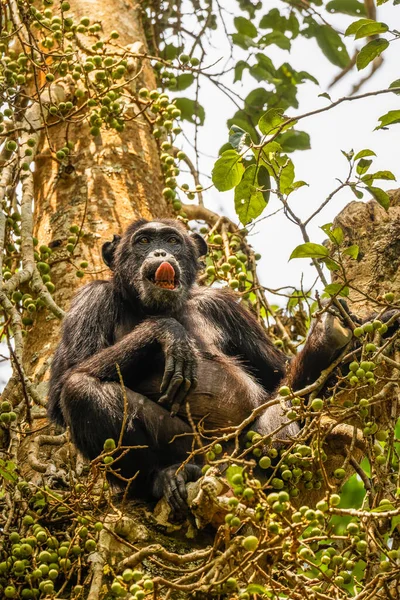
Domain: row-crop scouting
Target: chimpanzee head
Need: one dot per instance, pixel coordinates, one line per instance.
(155, 262)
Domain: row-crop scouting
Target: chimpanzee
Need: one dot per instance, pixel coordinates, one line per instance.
(173, 341)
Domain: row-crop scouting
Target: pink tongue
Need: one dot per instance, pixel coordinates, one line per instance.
(165, 273)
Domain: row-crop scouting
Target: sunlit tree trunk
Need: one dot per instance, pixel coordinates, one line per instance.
(112, 178)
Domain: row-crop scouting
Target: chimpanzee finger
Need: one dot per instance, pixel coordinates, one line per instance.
(181, 395)
(169, 370)
(192, 472)
(181, 481)
(193, 374)
(174, 384)
(169, 493)
(180, 495)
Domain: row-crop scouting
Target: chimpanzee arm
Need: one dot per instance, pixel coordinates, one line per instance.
(242, 337)
(327, 337)
(163, 333)
(87, 328)
(87, 346)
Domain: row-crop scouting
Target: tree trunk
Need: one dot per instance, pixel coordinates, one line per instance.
(111, 179)
(377, 234)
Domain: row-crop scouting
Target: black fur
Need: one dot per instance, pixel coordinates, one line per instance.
(195, 344)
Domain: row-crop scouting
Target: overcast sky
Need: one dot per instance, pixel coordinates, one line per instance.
(348, 126)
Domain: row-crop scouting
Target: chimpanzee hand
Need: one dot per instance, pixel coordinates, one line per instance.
(180, 373)
(172, 486)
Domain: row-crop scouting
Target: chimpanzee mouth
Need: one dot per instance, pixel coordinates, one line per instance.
(165, 277)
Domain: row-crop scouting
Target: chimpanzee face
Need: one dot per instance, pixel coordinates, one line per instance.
(157, 262)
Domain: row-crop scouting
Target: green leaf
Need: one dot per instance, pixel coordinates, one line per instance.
(261, 74)
(184, 81)
(395, 84)
(310, 250)
(335, 235)
(380, 196)
(273, 20)
(390, 118)
(327, 228)
(245, 26)
(243, 120)
(271, 148)
(293, 25)
(347, 7)
(331, 264)
(237, 137)
(240, 66)
(264, 70)
(298, 184)
(191, 110)
(286, 178)
(271, 120)
(265, 62)
(304, 75)
(277, 38)
(227, 171)
(363, 166)
(370, 29)
(264, 181)
(386, 175)
(256, 588)
(294, 140)
(249, 200)
(7, 471)
(337, 289)
(332, 46)
(355, 26)
(358, 193)
(255, 102)
(352, 251)
(348, 155)
(170, 51)
(364, 153)
(371, 51)
(383, 508)
(395, 521)
(243, 41)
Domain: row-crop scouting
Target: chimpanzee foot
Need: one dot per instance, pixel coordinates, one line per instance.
(172, 486)
(333, 328)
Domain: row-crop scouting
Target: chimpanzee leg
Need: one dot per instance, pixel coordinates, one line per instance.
(95, 410)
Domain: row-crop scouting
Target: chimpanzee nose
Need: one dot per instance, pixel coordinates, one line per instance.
(158, 253)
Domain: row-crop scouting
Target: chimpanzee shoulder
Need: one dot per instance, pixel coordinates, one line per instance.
(85, 331)
(241, 335)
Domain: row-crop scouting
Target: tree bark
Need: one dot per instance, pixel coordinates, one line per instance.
(114, 178)
(377, 234)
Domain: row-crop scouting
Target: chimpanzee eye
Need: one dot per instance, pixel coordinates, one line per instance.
(144, 240)
(174, 240)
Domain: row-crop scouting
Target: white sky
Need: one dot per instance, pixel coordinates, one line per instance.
(348, 126)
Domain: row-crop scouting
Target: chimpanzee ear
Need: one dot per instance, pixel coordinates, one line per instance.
(201, 244)
(108, 250)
